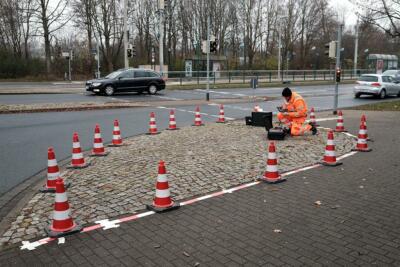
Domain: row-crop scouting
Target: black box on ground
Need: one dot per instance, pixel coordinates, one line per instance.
(276, 133)
(262, 119)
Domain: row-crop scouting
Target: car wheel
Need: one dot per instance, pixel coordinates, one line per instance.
(109, 91)
(382, 94)
(152, 89)
(357, 95)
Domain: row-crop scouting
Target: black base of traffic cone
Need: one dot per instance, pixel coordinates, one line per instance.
(87, 164)
(175, 205)
(44, 189)
(362, 150)
(168, 129)
(100, 155)
(279, 180)
(51, 233)
(330, 164)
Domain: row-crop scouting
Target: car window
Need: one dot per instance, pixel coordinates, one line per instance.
(126, 74)
(152, 74)
(114, 74)
(385, 79)
(390, 72)
(140, 74)
(366, 78)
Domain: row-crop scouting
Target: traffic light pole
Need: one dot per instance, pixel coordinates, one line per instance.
(126, 35)
(208, 59)
(161, 46)
(338, 48)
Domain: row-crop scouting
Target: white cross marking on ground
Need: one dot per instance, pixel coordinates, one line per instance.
(29, 246)
(107, 224)
(61, 240)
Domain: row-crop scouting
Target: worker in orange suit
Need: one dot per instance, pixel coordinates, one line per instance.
(294, 114)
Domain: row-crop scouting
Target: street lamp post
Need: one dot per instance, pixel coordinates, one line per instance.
(126, 34)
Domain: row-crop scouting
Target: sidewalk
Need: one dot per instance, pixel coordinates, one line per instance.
(357, 223)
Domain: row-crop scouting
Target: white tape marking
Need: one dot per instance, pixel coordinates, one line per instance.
(61, 240)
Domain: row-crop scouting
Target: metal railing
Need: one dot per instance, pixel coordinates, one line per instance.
(263, 76)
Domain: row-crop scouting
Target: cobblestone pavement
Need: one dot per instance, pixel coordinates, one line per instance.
(199, 160)
(342, 216)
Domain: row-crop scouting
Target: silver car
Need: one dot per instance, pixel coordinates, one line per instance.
(377, 85)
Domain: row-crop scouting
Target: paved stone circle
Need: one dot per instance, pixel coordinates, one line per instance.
(199, 160)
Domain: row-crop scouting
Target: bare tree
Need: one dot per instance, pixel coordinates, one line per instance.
(52, 16)
(385, 14)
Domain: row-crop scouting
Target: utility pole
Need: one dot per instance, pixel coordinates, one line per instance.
(356, 51)
(69, 65)
(161, 29)
(208, 59)
(338, 50)
(279, 53)
(126, 34)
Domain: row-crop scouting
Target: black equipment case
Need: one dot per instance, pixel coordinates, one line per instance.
(276, 133)
(261, 119)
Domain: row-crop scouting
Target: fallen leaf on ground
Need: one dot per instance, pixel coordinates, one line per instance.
(318, 203)
(186, 254)
(361, 186)
(157, 246)
(277, 231)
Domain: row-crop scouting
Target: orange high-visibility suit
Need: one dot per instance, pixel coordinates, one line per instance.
(296, 115)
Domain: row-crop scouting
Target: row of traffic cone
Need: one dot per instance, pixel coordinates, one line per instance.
(172, 122)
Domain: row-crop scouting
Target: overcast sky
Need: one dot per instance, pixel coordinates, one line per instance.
(345, 10)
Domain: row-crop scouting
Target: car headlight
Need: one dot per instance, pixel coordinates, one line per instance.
(96, 84)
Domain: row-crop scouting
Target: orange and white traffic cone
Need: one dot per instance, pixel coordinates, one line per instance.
(78, 161)
(362, 144)
(98, 147)
(162, 201)
(62, 223)
(117, 139)
(330, 154)
(221, 118)
(152, 124)
(312, 118)
(339, 123)
(272, 175)
(364, 119)
(197, 118)
(172, 122)
(53, 172)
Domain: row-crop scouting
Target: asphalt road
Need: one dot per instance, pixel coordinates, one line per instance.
(170, 95)
(26, 137)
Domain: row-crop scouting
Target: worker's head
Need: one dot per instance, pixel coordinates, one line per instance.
(287, 94)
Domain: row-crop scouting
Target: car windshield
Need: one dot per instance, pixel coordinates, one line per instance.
(365, 78)
(114, 74)
(390, 72)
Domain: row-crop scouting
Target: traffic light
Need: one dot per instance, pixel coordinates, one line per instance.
(133, 50)
(330, 49)
(338, 73)
(129, 52)
(213, 46)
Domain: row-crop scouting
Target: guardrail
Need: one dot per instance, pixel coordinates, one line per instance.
(263, 76)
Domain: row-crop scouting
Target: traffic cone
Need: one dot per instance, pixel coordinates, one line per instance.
(62, 223)
(162, 201)
(362, 144)
(172, 122)
(117, 139)
(197, 118)
(312, 118)
(152, 124)
(98, 147)
(53, 173)
(330, 154)
(272, 175)
(221, 118)
(364, 119)
(78, 161)
(339, 124)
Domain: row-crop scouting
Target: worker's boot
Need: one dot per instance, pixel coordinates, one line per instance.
(314, 129)
(286, 130)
